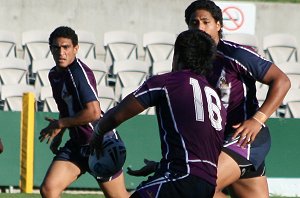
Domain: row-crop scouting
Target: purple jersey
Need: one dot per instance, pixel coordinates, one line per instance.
(72, 88)
(236, 69)
(191, 120)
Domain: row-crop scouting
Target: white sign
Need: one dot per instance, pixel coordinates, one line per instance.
(238, 17)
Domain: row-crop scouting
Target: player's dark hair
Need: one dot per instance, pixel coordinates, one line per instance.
(65, 32)
(195, 50)
(207, 5)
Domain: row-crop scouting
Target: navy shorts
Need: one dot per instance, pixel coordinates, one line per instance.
(79, 155)
(165, 186)
(246, 167)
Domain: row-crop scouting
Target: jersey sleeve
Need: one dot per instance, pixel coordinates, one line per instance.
(85, 84)
(149, 93)
(247, 61)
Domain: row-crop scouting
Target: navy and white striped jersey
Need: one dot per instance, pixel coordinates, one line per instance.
(236, 69)
(191, 120)
(72, 88)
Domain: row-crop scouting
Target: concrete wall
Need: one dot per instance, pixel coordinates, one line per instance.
(138, 16)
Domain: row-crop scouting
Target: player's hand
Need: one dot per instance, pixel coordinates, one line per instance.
(50, 131)
(96, 144)
(246, 131)
(149, 168)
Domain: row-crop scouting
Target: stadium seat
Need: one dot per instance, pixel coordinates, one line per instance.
(8, 44)
(106, 97)
(129, 73)
(87, 44)
(158, 46)
(119, 46)
(36, 46)
(290, 67)
(161, 67)
(46, 100)
(280, 47)
(243, 39)
(293, 109)
(13, 71)
(11, 95)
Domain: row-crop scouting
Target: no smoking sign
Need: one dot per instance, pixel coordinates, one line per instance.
(238, 17)
(233, 18)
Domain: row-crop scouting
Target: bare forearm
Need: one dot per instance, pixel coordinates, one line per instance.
(89, 114)
(278, 88)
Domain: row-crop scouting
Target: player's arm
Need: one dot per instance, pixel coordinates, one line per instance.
(91, 112)
(279, 84)
(125, 110)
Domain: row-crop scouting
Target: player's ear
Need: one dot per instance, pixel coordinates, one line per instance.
(76, 48)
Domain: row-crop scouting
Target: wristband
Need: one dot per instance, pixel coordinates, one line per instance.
(262, 124)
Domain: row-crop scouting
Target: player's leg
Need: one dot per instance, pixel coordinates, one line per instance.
(228, 172)
(59, 176)
(251, 187)
(115, 188)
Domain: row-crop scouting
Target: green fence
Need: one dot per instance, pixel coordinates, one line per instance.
(140, 135)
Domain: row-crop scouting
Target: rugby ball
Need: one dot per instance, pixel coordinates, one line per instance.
(112, 159)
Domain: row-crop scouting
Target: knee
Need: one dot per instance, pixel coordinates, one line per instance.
(48, 191)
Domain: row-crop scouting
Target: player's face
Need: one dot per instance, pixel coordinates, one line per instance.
(63, 51)
(203, 20)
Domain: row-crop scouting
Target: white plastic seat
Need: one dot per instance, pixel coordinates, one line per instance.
(130, 73)
(47, 100)
(295, 80)
(13, 71)
(12, 96)
(36, 46)
(158, 46)
(290, 67)
(243, 39)
(8, 43)
(293, 109)
(87, 44)
(106, 97)
(162, 67)
(99, 68)
(280, 47)
(119, 45)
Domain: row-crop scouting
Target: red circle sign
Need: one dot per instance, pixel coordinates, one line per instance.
(233, 18)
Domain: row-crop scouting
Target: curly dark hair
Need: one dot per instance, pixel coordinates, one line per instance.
(195, 50)
(207, 5)
(65, 32)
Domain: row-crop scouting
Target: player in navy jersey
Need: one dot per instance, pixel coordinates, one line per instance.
(74, 90)
(247, 139)
(191, 120)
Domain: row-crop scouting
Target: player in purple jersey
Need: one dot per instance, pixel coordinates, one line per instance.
(236, 69)
(74, 90)
(191, 120)
(247, 139)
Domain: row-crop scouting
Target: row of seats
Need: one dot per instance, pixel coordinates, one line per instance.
(122, 45)
(12, 96)
(121, 65)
